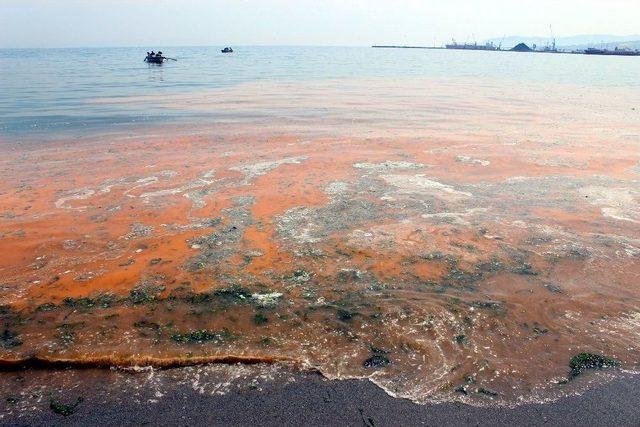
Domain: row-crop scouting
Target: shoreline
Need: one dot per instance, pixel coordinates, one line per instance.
(308, 398)
(475, 266)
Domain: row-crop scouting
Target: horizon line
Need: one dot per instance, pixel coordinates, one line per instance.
(116, 46)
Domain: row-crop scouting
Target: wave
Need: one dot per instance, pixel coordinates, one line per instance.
(108, 362)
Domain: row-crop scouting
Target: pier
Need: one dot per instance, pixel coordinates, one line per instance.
(590, 52)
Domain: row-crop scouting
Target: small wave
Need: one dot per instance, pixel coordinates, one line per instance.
(108, 362)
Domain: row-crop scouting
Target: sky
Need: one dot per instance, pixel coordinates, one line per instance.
(103, 23)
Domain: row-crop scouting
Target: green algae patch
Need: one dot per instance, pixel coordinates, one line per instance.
(143, 324)
(525, 269)
(487, 392)
(147, 290)
(102, 301)
(460, 278)
(465, 389)
(346, 315)
(461, 340)
(540, 331)
(198, 299)
(43, 308)
(378, 359)
(9, 339)
(496, 307)
(260, 319)
(87, 303)
(300, 276)
(64, 409)
(140, 296)
(234, 294)
(586, 361)
(200, 337)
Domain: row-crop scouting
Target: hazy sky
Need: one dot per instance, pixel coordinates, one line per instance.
(64, 23)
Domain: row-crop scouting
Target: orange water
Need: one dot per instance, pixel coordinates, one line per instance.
(435, 237)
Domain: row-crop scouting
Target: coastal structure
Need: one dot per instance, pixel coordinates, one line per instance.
(475, 46)
(406, 47)
(615, 52)
(521, 47)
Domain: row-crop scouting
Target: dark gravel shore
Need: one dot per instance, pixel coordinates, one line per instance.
(311, 400)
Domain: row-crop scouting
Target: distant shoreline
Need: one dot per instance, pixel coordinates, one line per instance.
(588, 52)
(406, 47)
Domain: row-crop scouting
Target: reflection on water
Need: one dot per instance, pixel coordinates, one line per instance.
(156, 73)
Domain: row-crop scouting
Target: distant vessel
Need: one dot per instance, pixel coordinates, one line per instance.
(474, 46)
(615, 52)
(227, 50)
(551, 48)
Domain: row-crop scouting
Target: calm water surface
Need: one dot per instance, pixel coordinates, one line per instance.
(51, 90)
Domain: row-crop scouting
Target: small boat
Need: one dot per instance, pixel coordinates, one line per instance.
(154, 59)
(227, 50)
(157, 58)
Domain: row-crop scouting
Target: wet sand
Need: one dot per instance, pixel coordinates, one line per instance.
(464, 247)
(293, 399)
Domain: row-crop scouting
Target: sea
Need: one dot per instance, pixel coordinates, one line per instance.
(51, 90)
(450, 225)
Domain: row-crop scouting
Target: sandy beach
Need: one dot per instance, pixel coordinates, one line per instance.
(281, 397)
